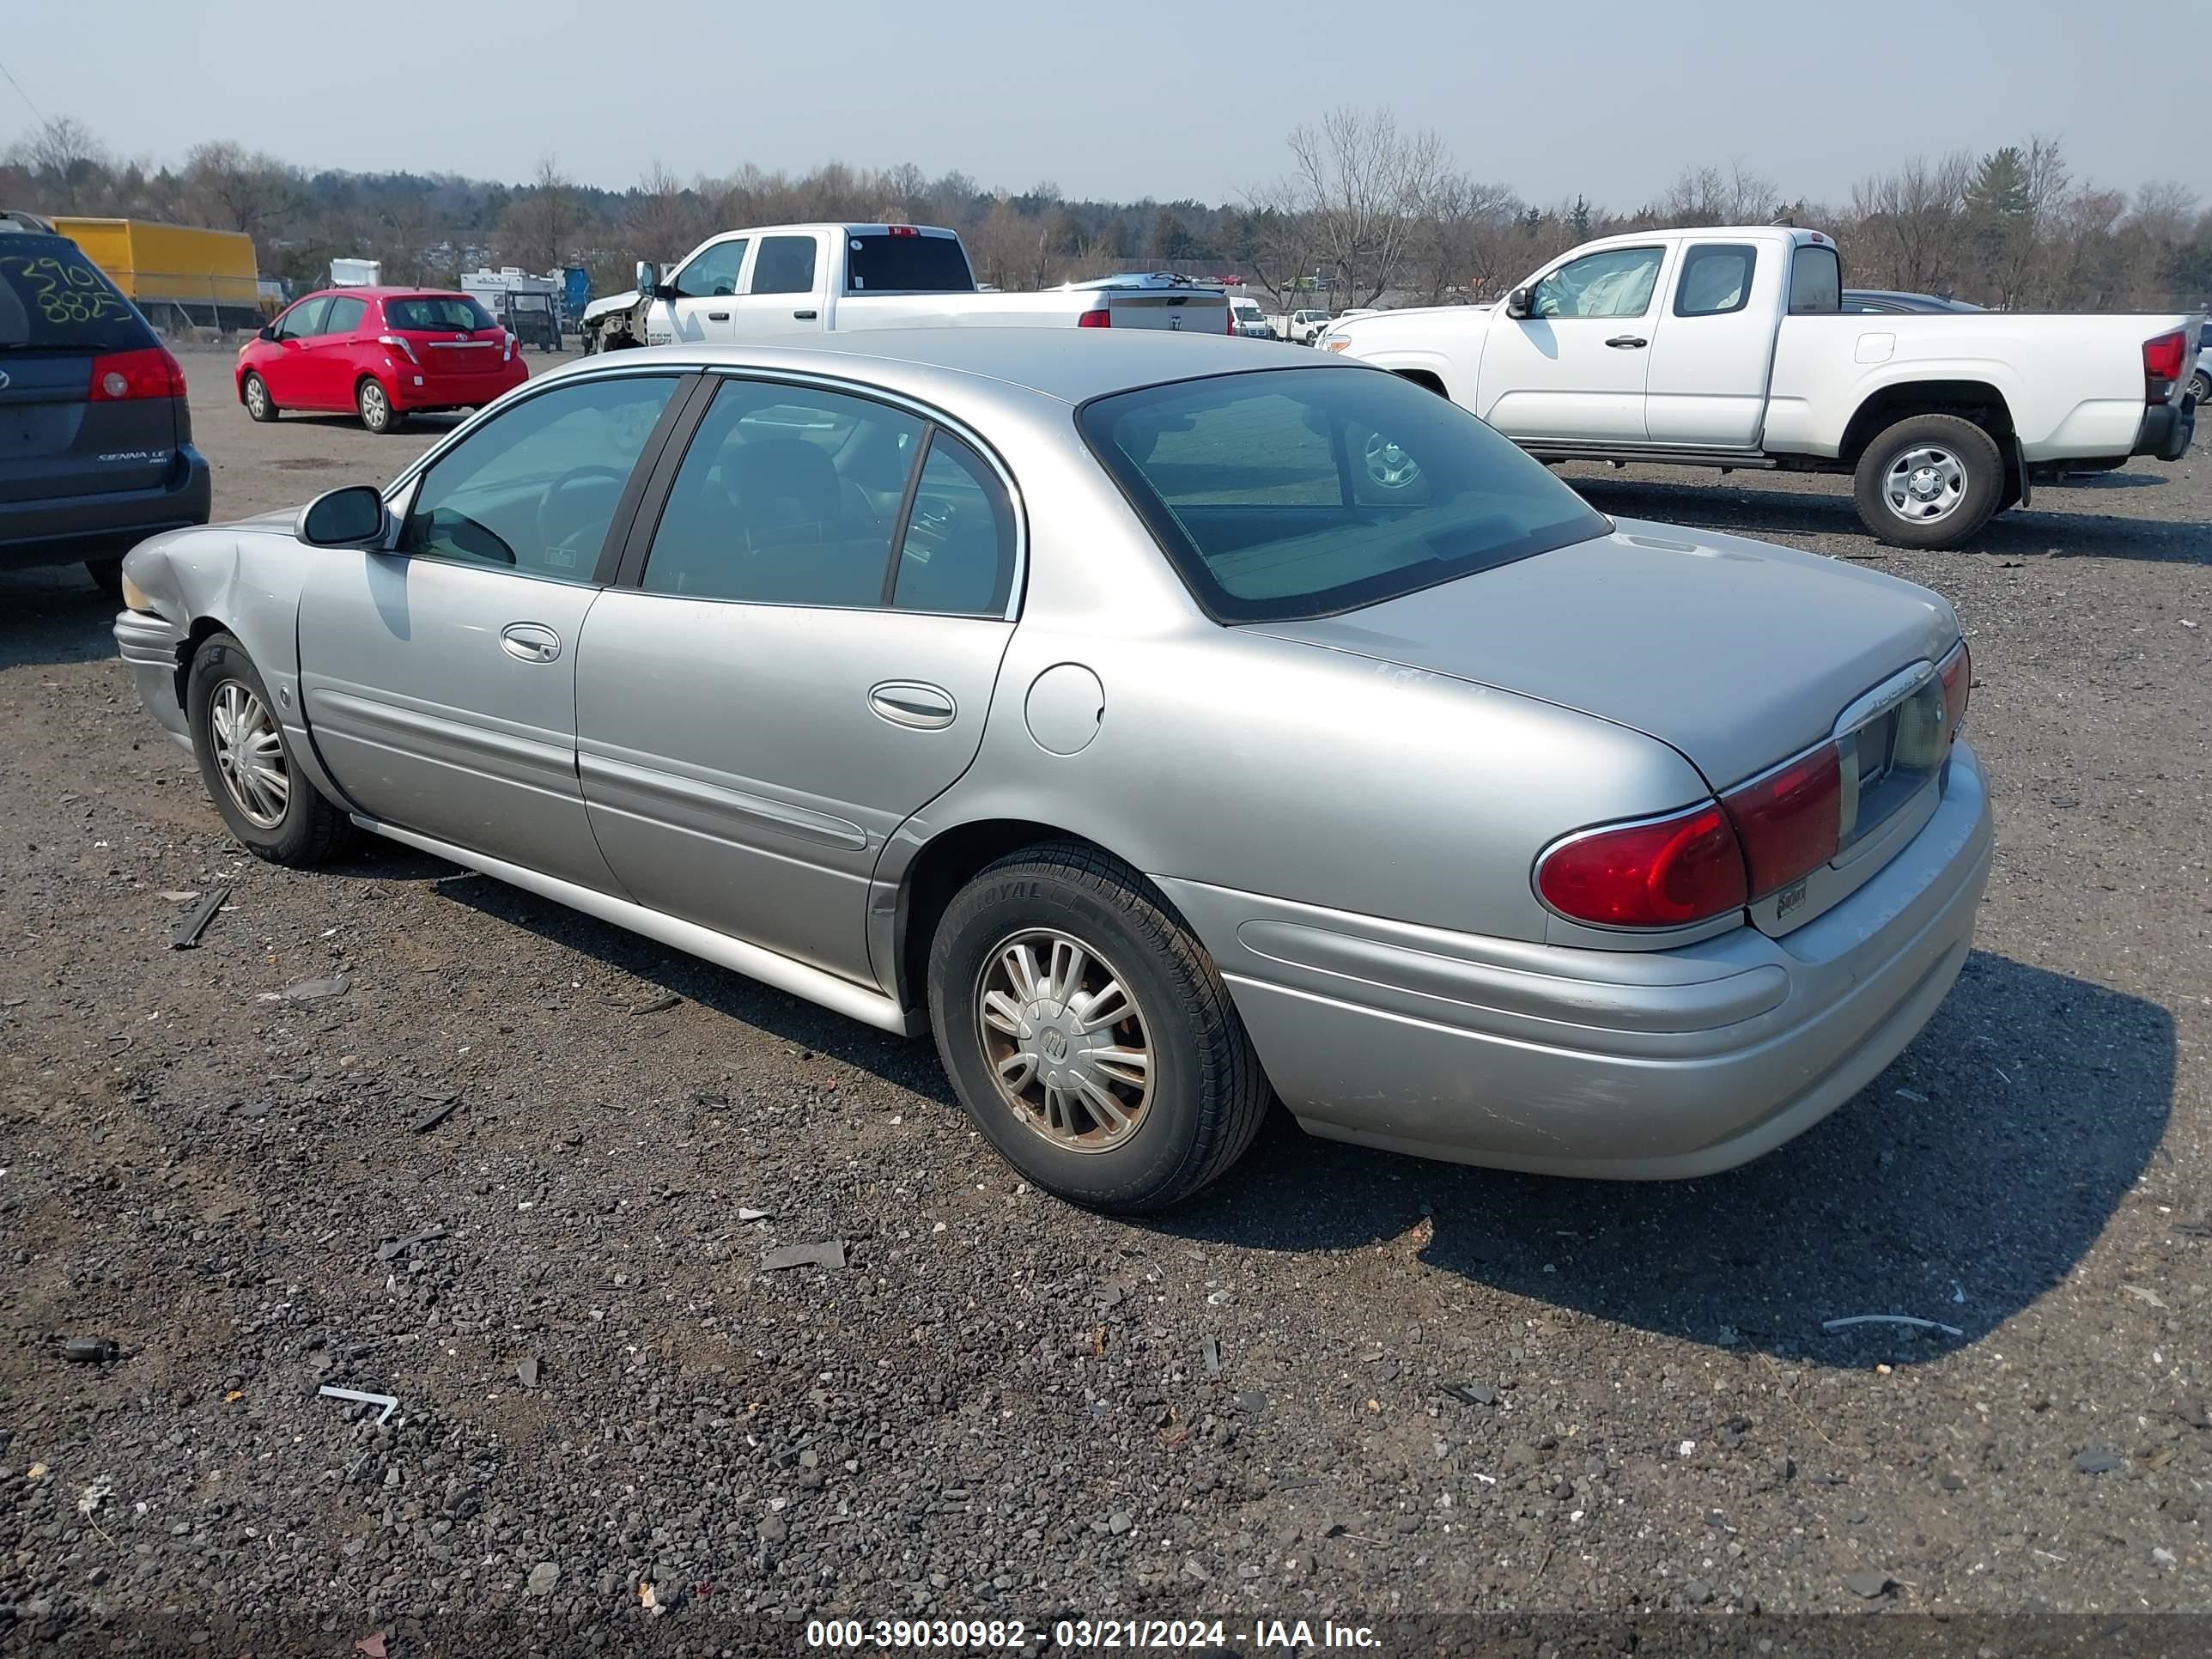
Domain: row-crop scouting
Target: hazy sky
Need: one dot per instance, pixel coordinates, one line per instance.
(1134, 98)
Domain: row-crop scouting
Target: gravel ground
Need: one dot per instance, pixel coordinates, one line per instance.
(1340, 1382)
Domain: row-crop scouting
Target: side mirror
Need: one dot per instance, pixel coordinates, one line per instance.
(1520, 302)
(351, 517)
(648, 281)
(267, 331)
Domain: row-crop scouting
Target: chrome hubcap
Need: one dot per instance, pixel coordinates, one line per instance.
(1925, 484)
(1065, 1039)
(249, 755)
(371, 406)
(1388, 465)
(257, 396)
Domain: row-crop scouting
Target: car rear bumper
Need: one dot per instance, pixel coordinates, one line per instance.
(1619, 1065)
(2167, 430)
(412, 390)
(64, 529)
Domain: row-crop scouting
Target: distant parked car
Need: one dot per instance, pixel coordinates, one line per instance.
(1868, 302)
(95, 436)
(2200, 382)
(384, 353)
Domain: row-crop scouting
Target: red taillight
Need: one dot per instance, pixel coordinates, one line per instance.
(1666, 873)
(1228, 318)
(1791, 821)
(2162, 361)
(902, 230)
(121, 375)
(1957, 672)
(1095, 319)
(400, 345)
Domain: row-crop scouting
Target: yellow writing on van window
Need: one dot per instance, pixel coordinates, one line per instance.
(65, 290)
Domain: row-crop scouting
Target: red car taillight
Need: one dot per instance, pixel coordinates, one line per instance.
(1668, 873)
(1229, 319)
(118, 376)
(1791, 822)
(1095, 319)
(2162, 361)
(400, 345)
(1957, 671)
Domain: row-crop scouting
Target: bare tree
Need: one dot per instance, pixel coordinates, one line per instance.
(233, 188)
(1362, 182)
(1461, 234)
(1911, 222)
(67, 164)
(661, 219)
(1715, 196)
(539, 228)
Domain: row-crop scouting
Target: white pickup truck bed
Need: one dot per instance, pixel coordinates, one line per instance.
(1726, 348)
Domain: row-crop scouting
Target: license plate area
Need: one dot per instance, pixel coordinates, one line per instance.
(1887, 758)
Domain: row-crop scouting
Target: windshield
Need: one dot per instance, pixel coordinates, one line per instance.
(885, 261)
(53, 299)
(1296, 492)
(441, 313)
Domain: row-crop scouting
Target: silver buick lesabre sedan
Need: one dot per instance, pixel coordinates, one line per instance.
(1166, 727)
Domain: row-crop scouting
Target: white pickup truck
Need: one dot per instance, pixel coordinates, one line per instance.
(1727, 348)
(810, 279)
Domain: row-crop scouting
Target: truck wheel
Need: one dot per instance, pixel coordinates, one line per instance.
(1930, 481)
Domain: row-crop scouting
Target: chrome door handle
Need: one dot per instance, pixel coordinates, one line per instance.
(911, 703)
(530, 642)
(1629, 341)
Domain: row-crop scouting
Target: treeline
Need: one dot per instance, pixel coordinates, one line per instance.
(1363, 213)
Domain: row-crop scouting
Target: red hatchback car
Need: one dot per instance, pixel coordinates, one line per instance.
(384, 353)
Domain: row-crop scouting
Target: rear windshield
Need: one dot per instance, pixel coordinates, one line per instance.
(53, 299)
(439, 312)
(880, 263)
(1290, 493)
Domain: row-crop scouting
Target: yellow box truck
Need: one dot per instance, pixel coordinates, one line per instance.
(176, 274)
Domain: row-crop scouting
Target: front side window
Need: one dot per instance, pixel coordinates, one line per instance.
(787, 496)
(786, 265)
(534, 489)
(1816, 282)
(345, 315)
(1290, 493)
(713, 272)
(1615, 283)
(1715, 280)
(304, 320)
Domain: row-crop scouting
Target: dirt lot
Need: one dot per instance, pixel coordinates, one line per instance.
(1003, 1406)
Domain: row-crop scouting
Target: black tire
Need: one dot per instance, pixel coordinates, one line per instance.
(1978, 492)
(2200, 387)
(374, 404)
(1208, 1095)
(107, 576)
(311, 830)
(254, 394)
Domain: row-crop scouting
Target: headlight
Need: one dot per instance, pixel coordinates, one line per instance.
(1334, 345)
(135, 596)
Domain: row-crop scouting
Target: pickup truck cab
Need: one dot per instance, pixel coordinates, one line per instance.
(1299, 327)
(803, 279)
(1729, 348)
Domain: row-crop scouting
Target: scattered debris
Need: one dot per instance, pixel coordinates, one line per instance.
(1832, 1326)
(372, 1644)
(89, 1500)
(2163, 1558)
(2099, 1460)
(544, 1577)
(831, 1255)
(187, 936)
(1486, 1479)
(1473, 1393)
(1212, 1356)
(2142, 1295)
(438, 1113)
(744, 1214)
(526, 1372)
(310, 990)
(665, 1000)
(1869, 1582)
(1913, 1095)
(90, 1351)
(390, 1402)
(393, 1249)
(1251, 1401)
(177, 898)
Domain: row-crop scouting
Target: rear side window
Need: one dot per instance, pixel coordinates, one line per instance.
(53, 298)
(1715, 280)
(345, 316)
(785, 265)
(1816, 282)
(436, 314)
(1290, 494)
(957, 556)
(892, 262)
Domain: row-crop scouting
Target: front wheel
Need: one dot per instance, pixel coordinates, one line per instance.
(375, 404)
(246, 763)
(2200, 387)
(1930, 481)
(259, 406)
(1088, 1033)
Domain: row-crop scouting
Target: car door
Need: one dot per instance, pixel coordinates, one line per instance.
(328, 360)
(439, 676)
(1712, 346)
(288, 371)
(798, 659)
(786, 291)
(706, 291)
(1577, 366)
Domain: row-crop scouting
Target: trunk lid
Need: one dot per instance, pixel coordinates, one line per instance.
(1736, 653)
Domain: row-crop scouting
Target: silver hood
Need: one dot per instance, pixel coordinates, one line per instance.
(1738, 654)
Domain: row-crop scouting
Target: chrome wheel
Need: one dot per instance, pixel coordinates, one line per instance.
(2200, 388)
(249, 755)
(256, 397)
(1389, 466)
(375, 407)
(1065, 1039)
(1924, 483)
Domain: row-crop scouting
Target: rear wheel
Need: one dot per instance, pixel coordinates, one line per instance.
(1088, 1033)
(258, 403)
(246, 763)
(107, 576)
(1930, 481)
(2200, 387)
(375, 404)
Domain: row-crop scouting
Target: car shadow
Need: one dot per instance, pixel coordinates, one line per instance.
(1959, 1187)
(1780, 514)
(53, 614)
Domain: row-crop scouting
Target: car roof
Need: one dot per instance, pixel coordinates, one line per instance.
(1068, 364)
(370, 291)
